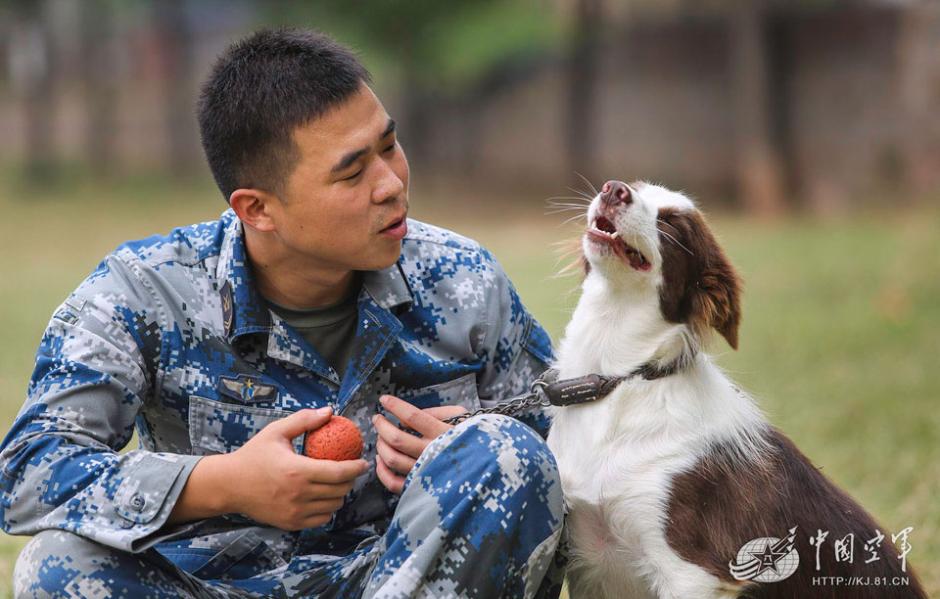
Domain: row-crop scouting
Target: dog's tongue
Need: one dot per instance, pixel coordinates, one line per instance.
(636, 260)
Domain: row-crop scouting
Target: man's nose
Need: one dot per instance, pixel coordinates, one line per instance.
(615, 192)
(390, 186)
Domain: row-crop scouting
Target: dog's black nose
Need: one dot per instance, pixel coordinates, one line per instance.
(615, 192)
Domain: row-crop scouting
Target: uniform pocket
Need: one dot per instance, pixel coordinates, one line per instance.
(220, 427)
(458, 392)
(243, 557)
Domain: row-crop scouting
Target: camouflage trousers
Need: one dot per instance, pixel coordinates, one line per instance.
(481, 515)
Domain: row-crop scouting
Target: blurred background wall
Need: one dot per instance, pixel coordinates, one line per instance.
(772, 106)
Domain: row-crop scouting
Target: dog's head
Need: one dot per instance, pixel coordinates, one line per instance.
(647, 238)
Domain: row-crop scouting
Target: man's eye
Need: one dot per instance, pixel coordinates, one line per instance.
(389, 149)
(352, 176)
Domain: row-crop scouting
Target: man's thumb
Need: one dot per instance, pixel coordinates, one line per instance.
(302, 421)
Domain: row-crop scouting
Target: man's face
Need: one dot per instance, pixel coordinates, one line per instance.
(344, 205)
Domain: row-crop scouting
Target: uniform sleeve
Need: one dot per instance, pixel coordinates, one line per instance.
(94, 367)
(516, 350)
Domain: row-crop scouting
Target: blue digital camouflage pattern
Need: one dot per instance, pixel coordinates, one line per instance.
(168, 335)
(481, 516)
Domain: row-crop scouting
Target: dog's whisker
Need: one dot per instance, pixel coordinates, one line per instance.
(563, 253)
(570, 206)
(668, 224)
(581, 193)
(572, 219)
(676, 241)
(580, 199)
(586, 180)
(577, 215)
(568, 202)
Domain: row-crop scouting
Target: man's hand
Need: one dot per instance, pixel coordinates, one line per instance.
(268, 481)
(397, 450)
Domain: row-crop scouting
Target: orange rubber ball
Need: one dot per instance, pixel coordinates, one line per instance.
(338, 439)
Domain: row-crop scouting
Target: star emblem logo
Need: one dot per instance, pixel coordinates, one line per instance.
(766, 559)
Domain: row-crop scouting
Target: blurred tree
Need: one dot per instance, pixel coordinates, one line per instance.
(178, 61)
(917, 85)
(438, 50)
(99, 84)
(760, 182)
(582, 86)
(407, 34)
(33, 69)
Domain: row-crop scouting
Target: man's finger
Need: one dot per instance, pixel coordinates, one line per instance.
(444, 412)
(393, 482)
(327, 491)
(300, 422)
(315, 521)
(396, 461)
(335, 472)
(414, 418)
(397, 438)
(323, 506)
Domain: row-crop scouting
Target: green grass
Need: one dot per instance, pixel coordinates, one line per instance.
(841, 322)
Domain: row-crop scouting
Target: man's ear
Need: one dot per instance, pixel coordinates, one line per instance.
(716, 296)
(255, 208)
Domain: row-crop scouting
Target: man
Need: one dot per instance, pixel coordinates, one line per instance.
(224, 342)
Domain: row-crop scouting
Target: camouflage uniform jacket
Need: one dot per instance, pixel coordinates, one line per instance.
(169, 335)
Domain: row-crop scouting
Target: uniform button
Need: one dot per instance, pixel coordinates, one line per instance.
(138, 502)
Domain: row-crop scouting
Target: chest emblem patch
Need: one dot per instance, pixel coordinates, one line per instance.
(247, 388)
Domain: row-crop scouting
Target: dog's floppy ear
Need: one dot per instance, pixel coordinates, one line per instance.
(716, 295)
(700, 287)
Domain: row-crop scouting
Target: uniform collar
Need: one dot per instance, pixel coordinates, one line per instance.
(388, 287)
(244, 311)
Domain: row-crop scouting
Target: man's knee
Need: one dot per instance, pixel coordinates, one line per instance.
(55, 563)
(482, 509)
(500, 455)
(52, 561)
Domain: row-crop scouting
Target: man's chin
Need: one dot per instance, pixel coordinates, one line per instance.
(386, 257)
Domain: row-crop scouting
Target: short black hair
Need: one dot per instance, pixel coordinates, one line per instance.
(261, 89)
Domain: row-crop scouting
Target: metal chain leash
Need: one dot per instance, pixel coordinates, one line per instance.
(534, 398)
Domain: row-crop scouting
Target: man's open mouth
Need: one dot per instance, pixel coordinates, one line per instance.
(604, 231)
(394, 224)
(396, 229)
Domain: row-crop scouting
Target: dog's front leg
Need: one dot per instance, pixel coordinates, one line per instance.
(674, 578)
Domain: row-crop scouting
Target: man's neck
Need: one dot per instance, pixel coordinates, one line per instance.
(288, 283)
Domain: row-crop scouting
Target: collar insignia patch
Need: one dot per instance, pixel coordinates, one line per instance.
(228, 307)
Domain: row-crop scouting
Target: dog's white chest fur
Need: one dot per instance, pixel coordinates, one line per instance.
(617, 483)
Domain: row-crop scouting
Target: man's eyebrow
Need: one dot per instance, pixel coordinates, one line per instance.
(353, 156)
(347, 160)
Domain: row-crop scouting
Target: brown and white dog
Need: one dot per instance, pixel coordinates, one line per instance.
(676, 485)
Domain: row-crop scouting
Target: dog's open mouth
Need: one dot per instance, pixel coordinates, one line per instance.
(604, 231)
